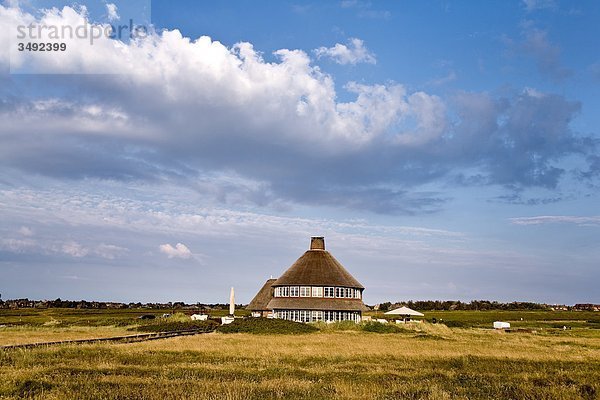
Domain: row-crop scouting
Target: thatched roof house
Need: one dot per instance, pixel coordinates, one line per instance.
(315, 288)
(261, 300)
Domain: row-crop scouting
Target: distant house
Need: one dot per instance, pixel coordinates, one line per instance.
(587, 307)
(315, 288)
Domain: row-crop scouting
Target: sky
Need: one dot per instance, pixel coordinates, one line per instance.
(173, 149)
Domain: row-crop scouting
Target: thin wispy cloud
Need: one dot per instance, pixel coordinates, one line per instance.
(74, 249)
(364, 9)
(556, 219)
(546, 54)
(451, 76)
(535, 5)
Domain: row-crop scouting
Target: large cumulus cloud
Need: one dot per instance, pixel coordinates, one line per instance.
(195, 111)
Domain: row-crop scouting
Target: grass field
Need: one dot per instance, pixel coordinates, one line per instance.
(424, 361)
(517, 319)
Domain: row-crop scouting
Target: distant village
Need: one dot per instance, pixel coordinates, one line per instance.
(427, 305)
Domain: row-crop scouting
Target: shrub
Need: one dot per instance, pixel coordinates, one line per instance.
(456, 324)
(378, 327)
(170, 326)
(266, 326)
(337, 326)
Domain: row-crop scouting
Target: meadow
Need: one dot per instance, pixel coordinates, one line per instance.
(420, 361)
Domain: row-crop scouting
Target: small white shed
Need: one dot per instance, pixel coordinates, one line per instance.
(501, 325)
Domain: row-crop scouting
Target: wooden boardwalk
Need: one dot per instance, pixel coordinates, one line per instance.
(119, 339)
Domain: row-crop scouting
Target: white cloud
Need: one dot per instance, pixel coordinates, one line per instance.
(195, 112)
(428, 114)
(25, 231)
(556, 219)
(109, 251)
(355, 52)
(179, 251)
(292, 99)
(111, 9)
(18, 245)
(74, 249)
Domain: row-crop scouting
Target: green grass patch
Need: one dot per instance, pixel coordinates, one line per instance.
(170, 326)
(378, 327)
(337, 326)
(266, 326)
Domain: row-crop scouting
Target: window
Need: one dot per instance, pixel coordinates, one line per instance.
(294, 291)
(277, 292)
(314, 316)
(305, 291)
(285, 291)
(329, 292)
(329, 315)
(317, 316)
(317, 291)
(304, 316)
(339, 292)
(349, 293)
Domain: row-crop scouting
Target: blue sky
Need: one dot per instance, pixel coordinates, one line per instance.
(447, 150)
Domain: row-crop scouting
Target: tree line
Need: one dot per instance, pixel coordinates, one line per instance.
(474, 305)
(84, 304)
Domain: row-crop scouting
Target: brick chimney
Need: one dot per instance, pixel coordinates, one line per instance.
(317, 243)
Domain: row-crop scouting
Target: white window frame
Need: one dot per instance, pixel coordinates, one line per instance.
(305, 291)
(331, 291)
(294, 291)
(317, 291)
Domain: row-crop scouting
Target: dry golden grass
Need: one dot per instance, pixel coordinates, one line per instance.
(27, 334)
(427, 362)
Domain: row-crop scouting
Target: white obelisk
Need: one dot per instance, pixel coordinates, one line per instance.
(231, 302)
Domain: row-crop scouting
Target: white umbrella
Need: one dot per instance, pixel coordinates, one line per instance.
(405, 311)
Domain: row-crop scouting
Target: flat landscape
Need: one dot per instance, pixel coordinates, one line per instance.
(537, 360)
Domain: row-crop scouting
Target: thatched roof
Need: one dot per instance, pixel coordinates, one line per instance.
(262, 298)
(317, 267)
(315, 303)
